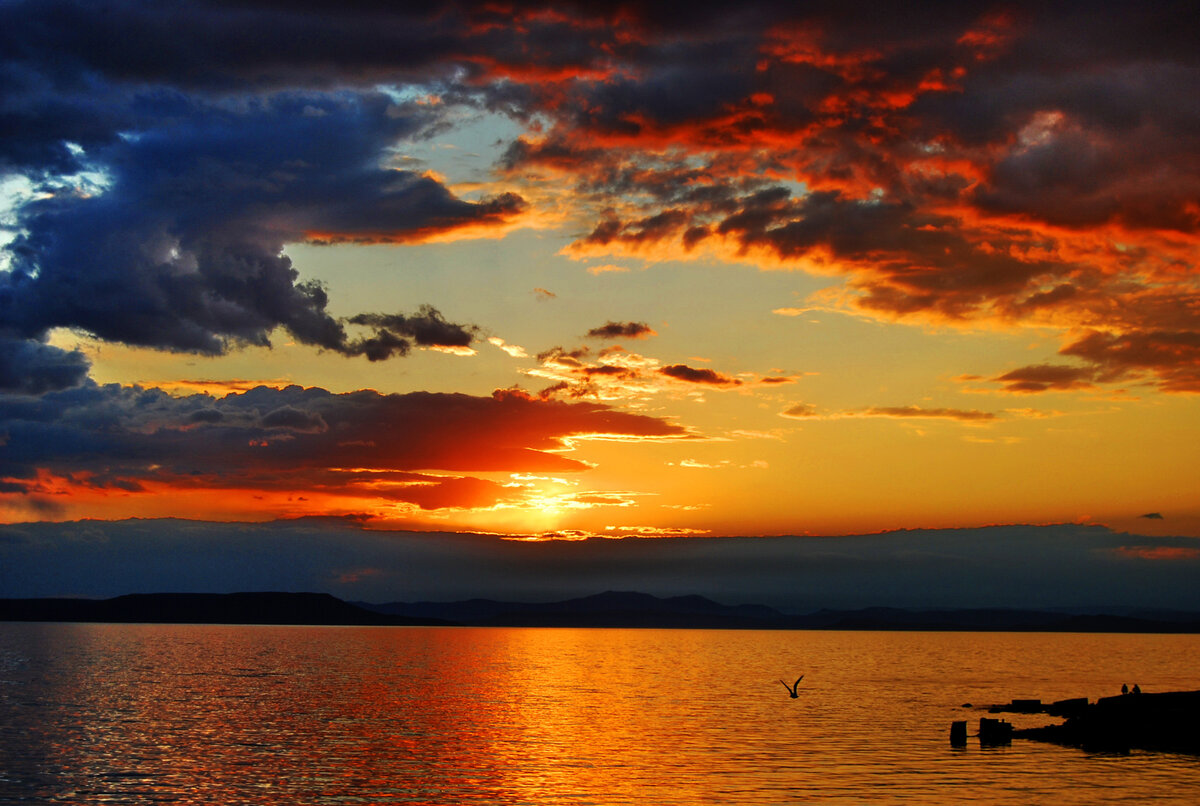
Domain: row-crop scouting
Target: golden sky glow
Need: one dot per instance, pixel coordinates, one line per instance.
(600, 273)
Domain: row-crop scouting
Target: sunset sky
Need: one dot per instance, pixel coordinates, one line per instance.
(618, 270)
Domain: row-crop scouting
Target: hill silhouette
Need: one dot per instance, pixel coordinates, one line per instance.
(630, 609)
(204, 608)
(608, 609)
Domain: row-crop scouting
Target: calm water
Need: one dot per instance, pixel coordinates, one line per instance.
(299, 715)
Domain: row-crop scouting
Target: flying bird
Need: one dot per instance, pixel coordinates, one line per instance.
(792, 688)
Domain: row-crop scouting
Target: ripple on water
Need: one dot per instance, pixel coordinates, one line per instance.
(262, 715)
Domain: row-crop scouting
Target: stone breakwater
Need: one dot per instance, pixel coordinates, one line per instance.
(1165, 721)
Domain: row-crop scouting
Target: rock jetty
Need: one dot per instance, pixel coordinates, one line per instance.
(1165, 721)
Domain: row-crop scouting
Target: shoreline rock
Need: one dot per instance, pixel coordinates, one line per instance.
(1165, 721)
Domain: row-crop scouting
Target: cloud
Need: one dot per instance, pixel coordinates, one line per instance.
(651, 229)
(703, 376)
(800, 411)
(513, 350)
(569, 359)
(285, 417)
(960, 168)
(395, 333)
(618, 374)
(954, 165)
(1154, 516)
(181, 247)
(1046, 377)
(807, 411)
(903, 412)
(360, 445)
(622, 330)
(1173, 357)
(31, 368)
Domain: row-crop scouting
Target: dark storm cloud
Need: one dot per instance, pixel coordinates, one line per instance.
(84, 73)
(38, 120)
(183, 248)
(205, 416)
(288, 418)
(622, 330)
(394, 332)
(198, 182)
(1078, 179)
(31, 368)
(222, 46)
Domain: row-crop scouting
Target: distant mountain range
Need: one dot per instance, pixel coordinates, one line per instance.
(610, 609)
(202, 608)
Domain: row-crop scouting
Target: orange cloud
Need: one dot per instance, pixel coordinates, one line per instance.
(1046, 377)
(618, 374)
(808, 411)
(491, 218)
(295, 451)
(1173, 357)
(943, 183)
(902, 412)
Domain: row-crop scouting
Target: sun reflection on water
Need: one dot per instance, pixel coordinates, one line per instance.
(269, 715)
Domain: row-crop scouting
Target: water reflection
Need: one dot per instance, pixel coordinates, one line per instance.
(199, 714)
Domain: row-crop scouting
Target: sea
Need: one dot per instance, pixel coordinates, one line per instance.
(211, 714)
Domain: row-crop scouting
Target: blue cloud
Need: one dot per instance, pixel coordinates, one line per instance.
(182, 248)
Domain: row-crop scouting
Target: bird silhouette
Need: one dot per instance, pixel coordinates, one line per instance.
(792, 688)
